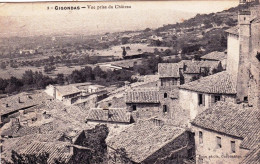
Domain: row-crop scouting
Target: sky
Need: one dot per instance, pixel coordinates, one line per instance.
(29, 19)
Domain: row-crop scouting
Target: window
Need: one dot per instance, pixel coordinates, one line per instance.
(134, 107)
(219, 142)
(233, 146)
(200, 137)
(109, 104)
(165, 95)
(217, 98)
(246, 99)
(165, 108)
(201, 99)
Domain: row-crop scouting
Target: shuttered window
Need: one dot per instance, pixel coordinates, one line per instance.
(200, 137)
(218, 140)
(233, 146)
(201, 99)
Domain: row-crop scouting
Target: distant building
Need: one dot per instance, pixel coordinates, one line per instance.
(225, 133)
(150, 141)
(155, 37)
(68, 94)
(27, 52)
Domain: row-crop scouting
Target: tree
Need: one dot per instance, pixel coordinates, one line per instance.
(124, 40)
(3, 65)
(60, 78)
(3, 85)
(48, 69)
(75, 77)
(124, 52)
(27, 77)
(95, 141)
(29, 159)
(98, 72)
(13, 85)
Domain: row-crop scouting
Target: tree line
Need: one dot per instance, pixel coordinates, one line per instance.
(37, 80)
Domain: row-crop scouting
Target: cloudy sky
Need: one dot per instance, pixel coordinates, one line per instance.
(27, 19)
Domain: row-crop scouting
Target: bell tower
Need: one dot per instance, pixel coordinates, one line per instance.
(244, 18)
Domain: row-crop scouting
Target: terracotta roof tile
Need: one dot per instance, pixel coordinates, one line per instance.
(194, 66)
(142, 96)
(146, 133)
(168, 70)
(110, 115)
(253, 156)
(219, 83)
(215, 56)
(56, 150)
(67, 90)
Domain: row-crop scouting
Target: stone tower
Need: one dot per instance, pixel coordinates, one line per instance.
(244, 18)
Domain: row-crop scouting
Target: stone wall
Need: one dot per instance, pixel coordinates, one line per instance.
(208, 151)
(189, 101)
(233, 54)
(144, 111)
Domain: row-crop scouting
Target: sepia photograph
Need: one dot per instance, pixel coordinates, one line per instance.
(130, 82)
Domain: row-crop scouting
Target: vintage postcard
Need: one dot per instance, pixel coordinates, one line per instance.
(127, 82)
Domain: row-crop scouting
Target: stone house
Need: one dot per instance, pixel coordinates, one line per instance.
(216, 56)
(68, 94)
(191, 70)
(199, 95)
(150, 141)
(225, 133)
(169, 79)
(143, 103)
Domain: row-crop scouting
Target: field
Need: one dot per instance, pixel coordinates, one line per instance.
(134, 49)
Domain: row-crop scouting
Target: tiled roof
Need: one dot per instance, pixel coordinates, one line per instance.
(56, 150)
(142, 96)
(252, 139)
(28, 130)
(26, 100)
(233, 30)
(231, 119)
(142, 139)
(11, 104)
(253, 156)
(219, 83)
(168, 70)
(67, 90)
(192, 66)
(215, 56)
(110, 115)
